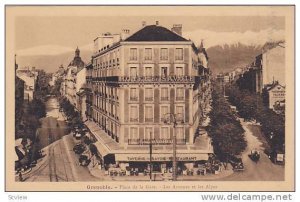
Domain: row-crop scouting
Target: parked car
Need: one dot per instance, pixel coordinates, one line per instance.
(78, 136)
(84, 160)
(237, 163)
(79, 148)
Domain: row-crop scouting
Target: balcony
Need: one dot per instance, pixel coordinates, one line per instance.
(133, 98)
(148, 99)
(180, 98)
(134, 119)
(164, 98)
(155, 141)
(148, 119)
(157, 79)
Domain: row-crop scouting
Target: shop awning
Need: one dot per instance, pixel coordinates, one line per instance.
(101, 149)
(162, 157)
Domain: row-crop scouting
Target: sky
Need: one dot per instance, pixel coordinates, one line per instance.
(46, 37)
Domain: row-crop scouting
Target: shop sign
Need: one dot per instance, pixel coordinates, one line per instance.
(160, 157)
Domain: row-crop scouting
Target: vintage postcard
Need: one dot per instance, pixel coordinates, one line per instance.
(150, 98)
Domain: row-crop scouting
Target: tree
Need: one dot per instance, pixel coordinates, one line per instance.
(225, 130)
(37, 108)
(251, 106)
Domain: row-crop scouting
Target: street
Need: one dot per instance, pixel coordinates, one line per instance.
(264, 169)
(59, 163)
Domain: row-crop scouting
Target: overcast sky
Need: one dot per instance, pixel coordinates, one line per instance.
(50, 35)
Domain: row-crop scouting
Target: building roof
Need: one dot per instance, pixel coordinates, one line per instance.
(270, 87)
(155, 33)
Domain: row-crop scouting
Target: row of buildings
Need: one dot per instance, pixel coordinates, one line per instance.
(151, 85)
(265, 75)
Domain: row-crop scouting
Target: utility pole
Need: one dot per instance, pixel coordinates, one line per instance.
(174, 151)
(150, 147)
(173, 120)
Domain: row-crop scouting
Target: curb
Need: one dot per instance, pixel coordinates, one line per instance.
(75, 176)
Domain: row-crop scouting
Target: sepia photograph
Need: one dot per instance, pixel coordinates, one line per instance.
(149, 98)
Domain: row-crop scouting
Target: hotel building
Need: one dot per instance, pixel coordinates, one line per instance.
(136, 84)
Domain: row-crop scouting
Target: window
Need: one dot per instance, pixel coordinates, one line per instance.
(133, 113)
(164, 94)
(148, 114)
(133, 133)
(180, 137)
(164, 54)
(148, 54)
(180, 111)
(148, 71)
(148, 94)
(133, 54)
(164, 71)
(133, 72)
(179, 71)
(164, 133)
(148, 133)
(133, 94)
(180, 94)
(164, 110)
(178, 54)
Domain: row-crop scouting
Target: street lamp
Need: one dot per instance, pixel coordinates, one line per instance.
(173, 120)
(150, 147)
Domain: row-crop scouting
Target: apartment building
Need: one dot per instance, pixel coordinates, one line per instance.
(140, 84)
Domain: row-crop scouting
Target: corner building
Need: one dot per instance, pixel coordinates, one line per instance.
(136, 82)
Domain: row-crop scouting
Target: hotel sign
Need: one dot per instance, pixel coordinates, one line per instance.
(160, 157)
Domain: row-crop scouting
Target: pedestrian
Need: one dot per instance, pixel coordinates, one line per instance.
(20, 176)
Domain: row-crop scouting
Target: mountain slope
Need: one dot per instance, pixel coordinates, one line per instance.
(228, 57)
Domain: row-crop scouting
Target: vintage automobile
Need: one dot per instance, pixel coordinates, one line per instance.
(237, 163)
(79, 148)
(84, 160)
(254, 155)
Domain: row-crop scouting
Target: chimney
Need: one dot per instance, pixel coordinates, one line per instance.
(177, 28)
(125, 34)
(143, 23)
(157, 23)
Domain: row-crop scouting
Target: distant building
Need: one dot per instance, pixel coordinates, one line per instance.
(29, 76)
(226, 78)
(267, 68)
(19, 99)
(58, 74)
(275, 95)
(71, 84)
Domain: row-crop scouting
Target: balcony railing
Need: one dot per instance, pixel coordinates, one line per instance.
(148, 98)
(148, 119)
(164, 98)
(155, 141)
(134, 119)
(133, 98)
(161, 79)
(180, 98)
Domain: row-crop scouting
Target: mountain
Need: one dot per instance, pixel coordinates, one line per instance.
(227, 57)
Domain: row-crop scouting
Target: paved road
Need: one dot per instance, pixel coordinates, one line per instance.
(59, 164)
(264, 169)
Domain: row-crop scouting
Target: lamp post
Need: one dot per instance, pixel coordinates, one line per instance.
(173, 120)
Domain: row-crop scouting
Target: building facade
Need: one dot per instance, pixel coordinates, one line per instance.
(138, 84)
(71, 85)
(268, 67)
(29, 76)
(275, 94)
